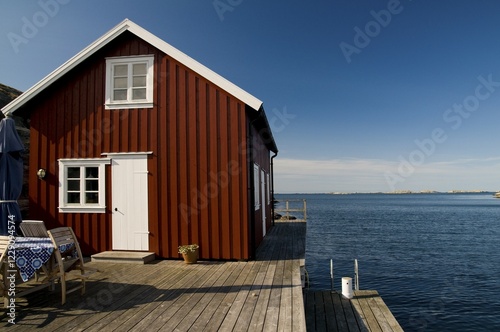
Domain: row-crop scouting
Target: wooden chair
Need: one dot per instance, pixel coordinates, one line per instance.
(33, 228)
(70, 259)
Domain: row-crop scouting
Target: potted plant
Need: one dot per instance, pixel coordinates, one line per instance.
(189, 253)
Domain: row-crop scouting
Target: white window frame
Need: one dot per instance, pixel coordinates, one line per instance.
(129, 103)
(66, 207)
(256, 186)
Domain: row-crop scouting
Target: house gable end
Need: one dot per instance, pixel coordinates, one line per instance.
(166, 48)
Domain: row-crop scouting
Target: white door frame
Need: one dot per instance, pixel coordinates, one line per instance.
(263, 201)
(129, 187)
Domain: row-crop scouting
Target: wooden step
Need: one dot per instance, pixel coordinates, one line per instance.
(129, 257)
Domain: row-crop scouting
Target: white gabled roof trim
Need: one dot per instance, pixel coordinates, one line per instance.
(151, 39)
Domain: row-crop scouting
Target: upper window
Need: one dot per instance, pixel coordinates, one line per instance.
(82, 185)
(129, 82)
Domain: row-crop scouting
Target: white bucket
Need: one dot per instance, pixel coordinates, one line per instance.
(347, 287)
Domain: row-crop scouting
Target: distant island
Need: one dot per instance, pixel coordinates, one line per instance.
(406, 192)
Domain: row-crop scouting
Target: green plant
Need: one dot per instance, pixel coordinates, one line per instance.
(188, 248)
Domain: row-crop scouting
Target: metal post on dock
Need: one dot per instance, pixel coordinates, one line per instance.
(356, 275)
(305, 210)
(331, 274)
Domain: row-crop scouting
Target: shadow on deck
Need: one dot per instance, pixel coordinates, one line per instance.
(263, 295)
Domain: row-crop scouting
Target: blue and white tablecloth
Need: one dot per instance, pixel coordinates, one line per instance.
(32, 253)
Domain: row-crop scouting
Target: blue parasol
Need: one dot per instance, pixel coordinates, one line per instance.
(11, 176)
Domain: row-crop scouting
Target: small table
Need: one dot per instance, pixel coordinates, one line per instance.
(31, 254)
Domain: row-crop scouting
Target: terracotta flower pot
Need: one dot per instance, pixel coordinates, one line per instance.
(191, 257)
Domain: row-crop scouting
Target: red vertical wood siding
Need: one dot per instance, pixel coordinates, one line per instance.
(198, 174)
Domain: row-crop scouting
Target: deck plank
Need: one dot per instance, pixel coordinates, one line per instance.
(298, 310)
(391, 320)
(273, 308)
(339, 313)
(331, 322)
(253, 315)
(320, 300)
(358, 312)
(259, 316)
(285, 317)
(349, 314)
(309, 305)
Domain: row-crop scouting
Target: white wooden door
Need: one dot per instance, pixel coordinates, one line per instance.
(263, 201)
(130, 201)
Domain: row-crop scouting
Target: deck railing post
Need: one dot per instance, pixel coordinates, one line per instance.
(295, 207)
(356, 275)
(305, 210)
(331, 274)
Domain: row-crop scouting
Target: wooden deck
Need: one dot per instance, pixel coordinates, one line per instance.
(260, 295)
(366, 311)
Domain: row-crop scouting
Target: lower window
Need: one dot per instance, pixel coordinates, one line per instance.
(82, 185)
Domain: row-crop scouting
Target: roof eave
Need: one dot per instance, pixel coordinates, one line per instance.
(272, 143)
(261, 124)
(64, 68)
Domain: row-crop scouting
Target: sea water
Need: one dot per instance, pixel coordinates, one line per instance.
(434, 258)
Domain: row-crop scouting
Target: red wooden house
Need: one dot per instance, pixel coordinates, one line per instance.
(146, 149)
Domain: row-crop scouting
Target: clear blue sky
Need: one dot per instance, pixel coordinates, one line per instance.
(362, 95)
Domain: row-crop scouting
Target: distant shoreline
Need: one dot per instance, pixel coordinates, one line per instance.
(399, 192)
(410, 192)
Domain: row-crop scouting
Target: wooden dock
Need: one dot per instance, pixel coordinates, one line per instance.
(366, 311)
(169, 295)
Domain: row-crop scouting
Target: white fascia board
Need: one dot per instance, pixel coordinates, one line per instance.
(64, 68)
(148, 37)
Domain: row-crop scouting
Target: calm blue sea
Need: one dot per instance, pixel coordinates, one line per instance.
(434, 258)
